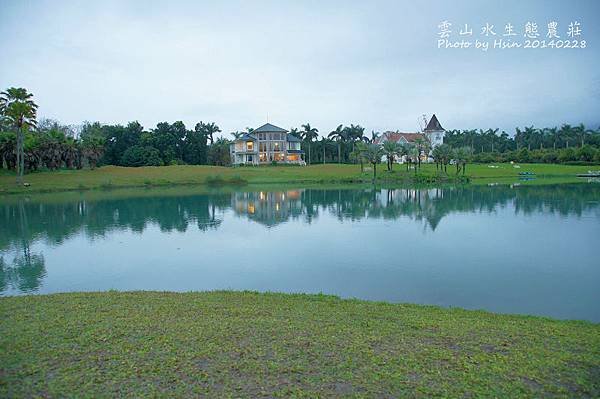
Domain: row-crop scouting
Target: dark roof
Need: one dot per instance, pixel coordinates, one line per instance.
(433, 125)
(291, 137)
(246, 137)
(267, 127)
(295, 152)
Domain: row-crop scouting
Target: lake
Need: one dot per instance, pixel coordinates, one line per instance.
(511, 249)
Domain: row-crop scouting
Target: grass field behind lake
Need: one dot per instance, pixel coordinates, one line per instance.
(114, 176)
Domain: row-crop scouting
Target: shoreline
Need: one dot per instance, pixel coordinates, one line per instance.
(112, 177)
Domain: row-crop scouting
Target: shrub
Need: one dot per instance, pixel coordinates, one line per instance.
(566, 155)
(141, 156)
(586, 153)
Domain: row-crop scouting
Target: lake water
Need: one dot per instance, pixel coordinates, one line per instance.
(526, 249)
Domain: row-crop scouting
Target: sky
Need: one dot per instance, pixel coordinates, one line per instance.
(243, 63)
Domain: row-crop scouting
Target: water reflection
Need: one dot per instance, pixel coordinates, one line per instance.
(27, 221)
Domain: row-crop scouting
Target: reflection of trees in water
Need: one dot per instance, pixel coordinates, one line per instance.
(56, 222)
(25, 273)
(27, 270)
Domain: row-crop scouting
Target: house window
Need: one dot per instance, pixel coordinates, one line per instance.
(250, 145)
(262, 147)
(276, 146)
(250, 158)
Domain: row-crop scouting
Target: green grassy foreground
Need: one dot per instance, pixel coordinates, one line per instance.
(114, 176)
(242, 344)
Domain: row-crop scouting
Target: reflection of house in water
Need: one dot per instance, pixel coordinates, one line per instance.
(268, 208)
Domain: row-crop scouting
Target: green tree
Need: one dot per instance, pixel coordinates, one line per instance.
(325, 142)
(19, 111)
(308, 135)
(92, 143)
(445, 154)
(461, 157)
(218, 152)
(210, 129)
(141, 156)
(338, 135)
(390, 149)
(357, 154)
(195, 147)
(372, 154)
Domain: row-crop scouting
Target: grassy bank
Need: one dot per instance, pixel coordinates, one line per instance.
(255, 345)
(113, 176)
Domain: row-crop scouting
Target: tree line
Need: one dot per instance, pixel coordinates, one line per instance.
(565, 144)
(26, 144)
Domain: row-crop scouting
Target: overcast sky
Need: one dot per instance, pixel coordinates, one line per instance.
(238, 63)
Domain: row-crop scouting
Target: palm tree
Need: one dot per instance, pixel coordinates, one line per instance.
(461, 156)
(309, 134)
(237, 135)
(421, 145)
(372, 154)
(357, 154)
(354, 133)
(93, 148)
(390, 150)
(436, 154)
(414, 155)
(374, 136)
(18, 110)
(445, 154)
(339, 135)
(209, 129)
(325, 141)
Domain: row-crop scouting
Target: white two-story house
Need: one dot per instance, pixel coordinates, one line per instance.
(265, 145)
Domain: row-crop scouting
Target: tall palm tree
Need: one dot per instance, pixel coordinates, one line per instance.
(355, 133)
(208, 129)
(421, 145)
(18, 110)
(309, 134)
(339, 135)
(445, 153)
(461, 156)
(374, 136)
(372, 154)
(390, 150)
(357, 154)
(413, 155)
(325, 141)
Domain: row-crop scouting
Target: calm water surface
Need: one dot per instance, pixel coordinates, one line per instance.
(527, 249)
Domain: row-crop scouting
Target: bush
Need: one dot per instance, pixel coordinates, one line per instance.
(550, 157)
(586, 153)
(566, 155)
(141, 156)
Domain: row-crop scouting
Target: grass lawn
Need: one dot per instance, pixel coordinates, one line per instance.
(239, 344)
(114, 176)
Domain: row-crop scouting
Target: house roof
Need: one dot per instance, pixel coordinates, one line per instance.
(246, 137)
(267, 127)
(291, 137)
(398, 136)
(433, 125)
